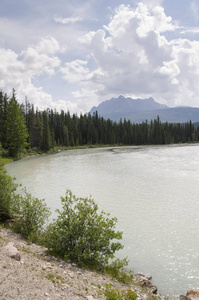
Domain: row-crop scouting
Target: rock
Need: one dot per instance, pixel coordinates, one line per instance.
(192, 295)
(90, 298)
(79, 273)
(154, 289)
(147, 284)
(12, 251)
(143, 297)
(149, 277)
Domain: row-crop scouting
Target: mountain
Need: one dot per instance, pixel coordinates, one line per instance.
(117, 107)
(140, 110)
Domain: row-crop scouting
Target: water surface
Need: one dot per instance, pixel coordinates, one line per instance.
(153, 191)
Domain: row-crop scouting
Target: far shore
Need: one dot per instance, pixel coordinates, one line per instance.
(114, 148)
(143, 147)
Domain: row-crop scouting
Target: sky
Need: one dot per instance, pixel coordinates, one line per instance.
(72, 55)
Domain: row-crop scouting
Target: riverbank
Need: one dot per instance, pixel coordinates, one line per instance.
(116, 148)
(40, 276)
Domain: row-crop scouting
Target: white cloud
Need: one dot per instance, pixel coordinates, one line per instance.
(191, 30)
(171, 70)
(133, 54)
(76, 71)
(151, 3)
(67, 20)
(48, 46)
(36, 64)
(18, 70)
(195, 10)
(133, 57)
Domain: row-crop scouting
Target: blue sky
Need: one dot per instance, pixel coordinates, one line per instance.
(72, 55)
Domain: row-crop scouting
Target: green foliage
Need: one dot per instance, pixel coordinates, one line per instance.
(7, 193)
(16, 131)
(48, 128)
(116, 269)
(55, 278)
(32, 214)
(81, 234)
(115, 294)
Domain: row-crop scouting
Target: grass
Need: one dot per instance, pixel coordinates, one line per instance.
(32, 152)
(55, 278)
(115, 294)
(6, 160)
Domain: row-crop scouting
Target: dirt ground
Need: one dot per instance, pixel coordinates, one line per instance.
(42, 277)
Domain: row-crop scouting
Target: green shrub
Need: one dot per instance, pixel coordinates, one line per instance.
(32, 214)
(117, 270)
(1, 149)
(115, 294)
(7, 194)
(81, 234)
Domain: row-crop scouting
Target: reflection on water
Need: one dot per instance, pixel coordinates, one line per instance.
(153, 191)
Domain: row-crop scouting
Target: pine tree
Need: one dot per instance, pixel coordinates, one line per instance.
(3, 110)
(46, 145)
(16, 130)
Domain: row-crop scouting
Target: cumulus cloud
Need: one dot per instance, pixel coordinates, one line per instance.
(48, 46)
(76, 71)
(134, 54)
(19, 69)
(134, 57)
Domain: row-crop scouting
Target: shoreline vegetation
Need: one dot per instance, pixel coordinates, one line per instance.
(115, 148)
(24, 127)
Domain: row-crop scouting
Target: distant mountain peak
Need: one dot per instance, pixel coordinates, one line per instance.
(118, 107)
(140, 110)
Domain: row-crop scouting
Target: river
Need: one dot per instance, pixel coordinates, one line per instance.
(153, 191)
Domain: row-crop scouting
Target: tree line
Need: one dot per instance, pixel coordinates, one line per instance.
(23, 126)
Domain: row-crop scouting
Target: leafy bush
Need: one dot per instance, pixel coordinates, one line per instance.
(115, 294)
(7, 194)
(32, 214)
(1, 149)
(81, 234)
(116, 269)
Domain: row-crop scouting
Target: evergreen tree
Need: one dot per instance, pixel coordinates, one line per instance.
(46, 145)
(49, 128)
(16, 130)
(37, 130)
(65, 136)
(3, 110)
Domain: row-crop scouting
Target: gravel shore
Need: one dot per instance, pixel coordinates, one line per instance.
(43, 277)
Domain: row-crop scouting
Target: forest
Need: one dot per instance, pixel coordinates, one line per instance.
(23, 127)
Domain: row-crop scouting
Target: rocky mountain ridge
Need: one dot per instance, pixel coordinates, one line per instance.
(140, 110)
